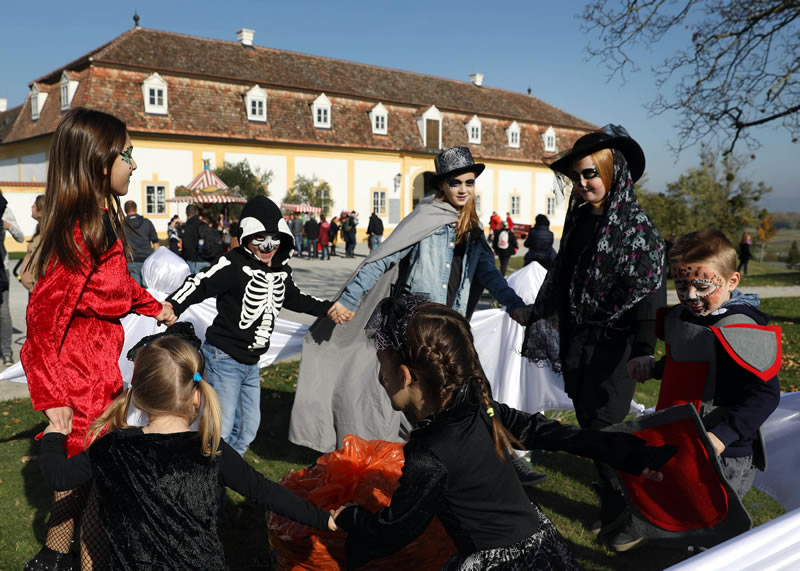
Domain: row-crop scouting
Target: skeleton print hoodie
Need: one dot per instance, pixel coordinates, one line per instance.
(249, 293)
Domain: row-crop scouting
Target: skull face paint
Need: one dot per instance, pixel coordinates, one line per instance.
(700, 288)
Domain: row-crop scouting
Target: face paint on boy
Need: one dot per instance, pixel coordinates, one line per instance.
(700, 288)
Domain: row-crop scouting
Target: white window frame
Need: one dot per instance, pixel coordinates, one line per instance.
(158, 205)
(433, 114)
(474, 130)
(155, 83)
(550, 206)
(256, 97)
(513, 133)
(379, 202)
(515, 205)
(549, 140)
(379, 119)
(321, 112)
(68, 88)
(37, 102)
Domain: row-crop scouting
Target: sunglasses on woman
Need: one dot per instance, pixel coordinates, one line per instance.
(266, 243)
(587, 174)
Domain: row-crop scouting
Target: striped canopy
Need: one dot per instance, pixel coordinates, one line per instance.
(207, 188)
(301, 208)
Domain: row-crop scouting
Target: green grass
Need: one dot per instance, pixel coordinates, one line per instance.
(566, 495)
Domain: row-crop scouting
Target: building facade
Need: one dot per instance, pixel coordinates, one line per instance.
(371, 133)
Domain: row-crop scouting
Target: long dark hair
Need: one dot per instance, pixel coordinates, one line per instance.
(442, 353)
(85, 146)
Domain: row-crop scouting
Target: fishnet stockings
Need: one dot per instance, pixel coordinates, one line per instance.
(95, 550)
(64, 517)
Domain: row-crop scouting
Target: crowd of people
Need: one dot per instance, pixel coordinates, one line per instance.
(391, 357)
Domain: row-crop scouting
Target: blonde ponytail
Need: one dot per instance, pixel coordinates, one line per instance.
(113, 418)
(210, 420)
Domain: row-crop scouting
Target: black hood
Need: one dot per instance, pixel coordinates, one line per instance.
(260, 214)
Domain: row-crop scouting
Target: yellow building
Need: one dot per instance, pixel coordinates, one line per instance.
(371, 133)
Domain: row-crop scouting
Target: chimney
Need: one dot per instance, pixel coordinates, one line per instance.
(245, 36)
(476, 79)
(3, 104)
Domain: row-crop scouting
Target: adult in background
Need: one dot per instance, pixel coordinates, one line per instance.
(26, 275)
(439, 250)
(296, 227)
(505, 246)
(494, 224)
(311, 230)
(597, 306)
(349, 233)
(509, 222)
(744, 252)
(334, 234)
(540, 243)
(374, 231)
(6, 328)
(142, 240)
(324, 237)
(191, 240)
(174, 232)
(233, 230)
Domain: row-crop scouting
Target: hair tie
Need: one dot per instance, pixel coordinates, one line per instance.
(490, 411)
(197, 378)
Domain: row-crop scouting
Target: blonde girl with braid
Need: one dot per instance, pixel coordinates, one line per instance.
(457, 464)
(155, 487)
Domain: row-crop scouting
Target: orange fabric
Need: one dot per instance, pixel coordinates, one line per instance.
(75, 337)
(691, 495)
(362, 472)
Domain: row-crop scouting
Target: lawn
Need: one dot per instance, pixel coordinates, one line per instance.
(565, 496)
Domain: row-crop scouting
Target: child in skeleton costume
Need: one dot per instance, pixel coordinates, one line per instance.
(723, 359)
(251, 283)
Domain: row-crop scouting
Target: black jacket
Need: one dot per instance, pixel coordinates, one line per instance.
(191, 237)
(311, 228)
(141, 235)
(540, 246)
(375, 226)
(512, 243)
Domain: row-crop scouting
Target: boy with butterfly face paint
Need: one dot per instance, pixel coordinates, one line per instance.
(251, 283)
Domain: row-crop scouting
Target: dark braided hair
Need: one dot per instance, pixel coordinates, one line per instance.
(442, 353)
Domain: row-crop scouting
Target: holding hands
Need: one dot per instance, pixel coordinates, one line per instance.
(60, 420)
(167, 316)
(641, 368)
(339, 313)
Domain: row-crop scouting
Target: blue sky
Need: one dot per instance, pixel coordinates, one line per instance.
(516, 45)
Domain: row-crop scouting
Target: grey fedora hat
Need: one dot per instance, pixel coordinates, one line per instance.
(609, 137)
(455, 161)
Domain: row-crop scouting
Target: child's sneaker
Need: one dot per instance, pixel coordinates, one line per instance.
(628, 538)
(527, 477)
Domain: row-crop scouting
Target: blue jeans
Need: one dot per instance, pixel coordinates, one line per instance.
(238, 387)
(374, 241)
(197, 266)
(298, 243)
(312, 248)
(325, 253)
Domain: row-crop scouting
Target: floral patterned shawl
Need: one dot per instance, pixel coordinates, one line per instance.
(623, 264)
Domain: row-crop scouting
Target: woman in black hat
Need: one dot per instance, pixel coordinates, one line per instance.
(438, 250)
(595, 311)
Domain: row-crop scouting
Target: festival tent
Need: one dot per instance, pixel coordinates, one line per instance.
(207, 188)
(307, 208)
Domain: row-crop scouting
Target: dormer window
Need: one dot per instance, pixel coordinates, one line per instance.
(321, 111)
(549, 140)
(379, 118)
(68, 88)
(430, 128)
(513, 135)
(474, 130)
(37, 102)
(256, 104)
(154, 91)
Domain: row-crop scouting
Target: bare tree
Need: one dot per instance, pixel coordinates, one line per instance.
(740, 68)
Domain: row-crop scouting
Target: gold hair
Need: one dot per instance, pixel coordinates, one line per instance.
(468, 221)
(163, 383)
(705, 245)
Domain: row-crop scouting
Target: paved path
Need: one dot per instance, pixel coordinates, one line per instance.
(315, 276)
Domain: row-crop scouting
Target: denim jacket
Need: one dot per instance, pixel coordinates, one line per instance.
(431, 276)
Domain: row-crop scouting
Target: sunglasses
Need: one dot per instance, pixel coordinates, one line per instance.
(266, 243)
(127, 155)
(587, 174)
(455, 183)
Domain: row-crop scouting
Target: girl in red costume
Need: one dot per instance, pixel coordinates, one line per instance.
(83, 290)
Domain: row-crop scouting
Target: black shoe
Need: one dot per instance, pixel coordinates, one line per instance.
(628, 538)
(527, 477)
(49, 560)
(8, 360)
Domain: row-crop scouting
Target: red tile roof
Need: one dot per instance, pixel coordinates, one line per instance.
(208, 78)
